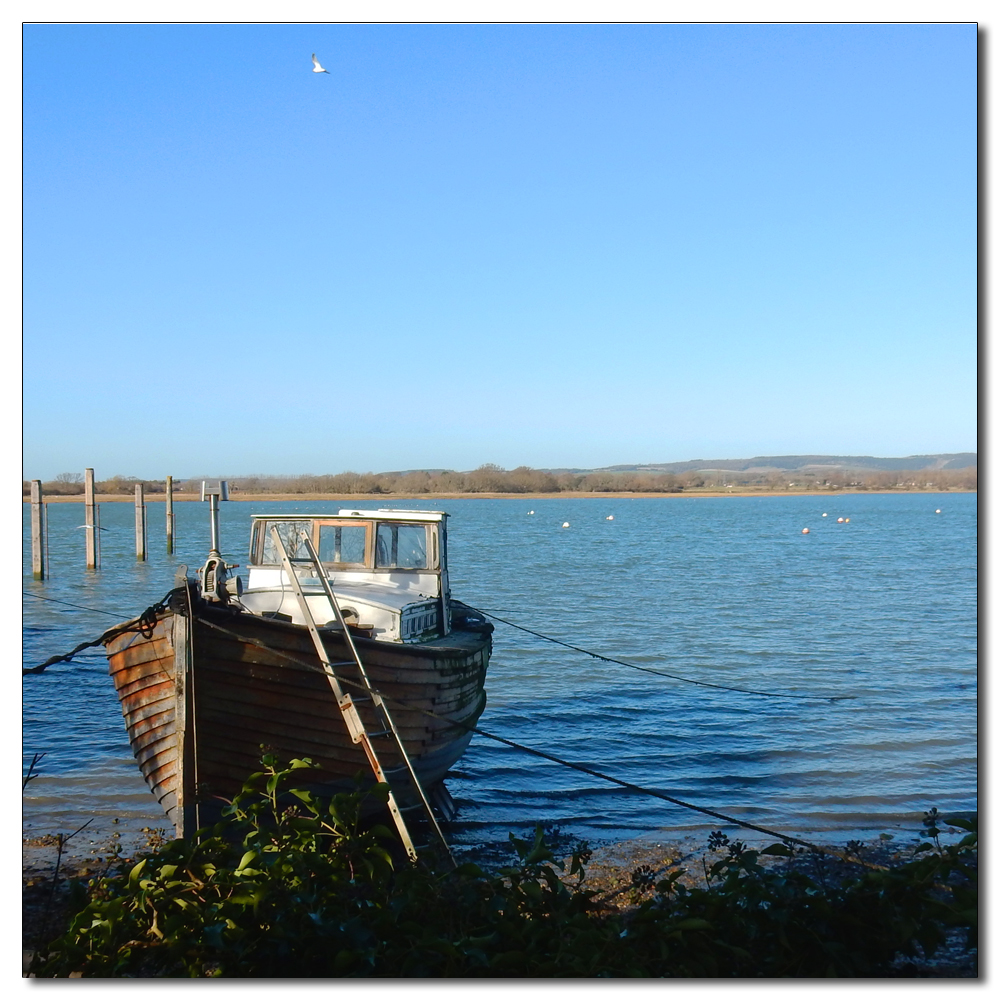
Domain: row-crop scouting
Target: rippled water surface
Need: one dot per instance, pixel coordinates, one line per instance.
(728, 591)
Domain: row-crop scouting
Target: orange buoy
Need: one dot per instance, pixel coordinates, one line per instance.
(847, 520)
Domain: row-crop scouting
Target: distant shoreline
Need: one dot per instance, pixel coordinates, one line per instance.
(356, 498)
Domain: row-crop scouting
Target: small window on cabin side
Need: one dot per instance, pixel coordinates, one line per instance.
(401, 546)
(288, 531)
(342, 543)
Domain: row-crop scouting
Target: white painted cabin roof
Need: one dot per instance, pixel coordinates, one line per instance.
(377, 515)
(395, 515)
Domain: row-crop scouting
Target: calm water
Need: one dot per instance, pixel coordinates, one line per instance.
(724, 590)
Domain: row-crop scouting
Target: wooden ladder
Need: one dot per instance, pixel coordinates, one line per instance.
(352, 719)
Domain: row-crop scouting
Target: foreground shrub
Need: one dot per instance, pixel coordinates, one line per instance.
(292, 885)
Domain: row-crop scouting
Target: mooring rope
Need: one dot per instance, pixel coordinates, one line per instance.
(663, 673)
(540, 635)
(631, 786)
(143, 625)
(97, 611)
(147, 620)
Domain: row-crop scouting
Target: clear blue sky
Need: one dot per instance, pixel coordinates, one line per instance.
(545, 245)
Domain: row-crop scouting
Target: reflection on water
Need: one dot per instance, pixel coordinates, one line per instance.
(882, 609)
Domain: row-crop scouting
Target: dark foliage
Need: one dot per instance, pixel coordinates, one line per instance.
(303, 890)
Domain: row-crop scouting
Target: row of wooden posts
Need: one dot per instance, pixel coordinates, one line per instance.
(92, 525)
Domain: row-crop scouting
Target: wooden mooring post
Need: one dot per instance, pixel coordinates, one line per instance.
(140, 523)
(38, 553)
(170, 515)
(91, 522)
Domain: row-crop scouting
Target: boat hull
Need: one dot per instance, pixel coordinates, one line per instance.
(203, 695)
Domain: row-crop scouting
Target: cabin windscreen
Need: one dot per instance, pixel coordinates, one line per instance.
(349, 545)
(343, 543)
(288, 532)
(401, 546)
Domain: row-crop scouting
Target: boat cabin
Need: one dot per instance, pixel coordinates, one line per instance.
(388, 569)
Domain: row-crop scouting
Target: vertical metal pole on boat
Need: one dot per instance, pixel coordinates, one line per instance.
(90, 521)
(214, 496)
(38, 566)
(170, 515)
(213, 507)
(140, 523)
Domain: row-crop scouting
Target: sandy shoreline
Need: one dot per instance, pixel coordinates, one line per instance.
(357, 498)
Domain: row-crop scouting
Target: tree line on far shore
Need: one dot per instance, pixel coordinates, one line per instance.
(491, 478)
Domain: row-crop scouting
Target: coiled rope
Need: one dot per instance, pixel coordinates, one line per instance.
(663, 673)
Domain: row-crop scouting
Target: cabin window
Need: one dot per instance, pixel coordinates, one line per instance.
(343, 543)
(401, 546)
(288, 531)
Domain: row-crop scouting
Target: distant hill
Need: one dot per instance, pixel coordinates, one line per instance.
(769, 463)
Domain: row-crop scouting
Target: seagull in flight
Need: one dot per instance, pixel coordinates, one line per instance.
(316, 66)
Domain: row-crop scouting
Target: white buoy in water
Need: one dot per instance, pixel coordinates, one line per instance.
(531, 512)
(611, 517)
(805, 531)
(824, 515)
(938, 511)
(565, 524)
(840, 520)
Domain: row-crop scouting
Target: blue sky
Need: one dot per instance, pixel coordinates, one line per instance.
(551, 245)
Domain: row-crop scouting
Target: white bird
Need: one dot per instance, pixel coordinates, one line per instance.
(316, 66)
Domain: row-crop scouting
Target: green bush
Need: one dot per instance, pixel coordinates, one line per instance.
(289, 885)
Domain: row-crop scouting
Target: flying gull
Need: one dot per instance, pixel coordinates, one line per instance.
(316, 66)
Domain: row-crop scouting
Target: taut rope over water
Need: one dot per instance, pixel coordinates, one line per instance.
(145, 622)
(144, 625)
(663, 673)
(302, 664)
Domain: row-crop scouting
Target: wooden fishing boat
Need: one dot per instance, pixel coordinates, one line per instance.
(216, 672)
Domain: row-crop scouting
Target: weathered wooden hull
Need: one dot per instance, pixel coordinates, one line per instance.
(201, 695)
